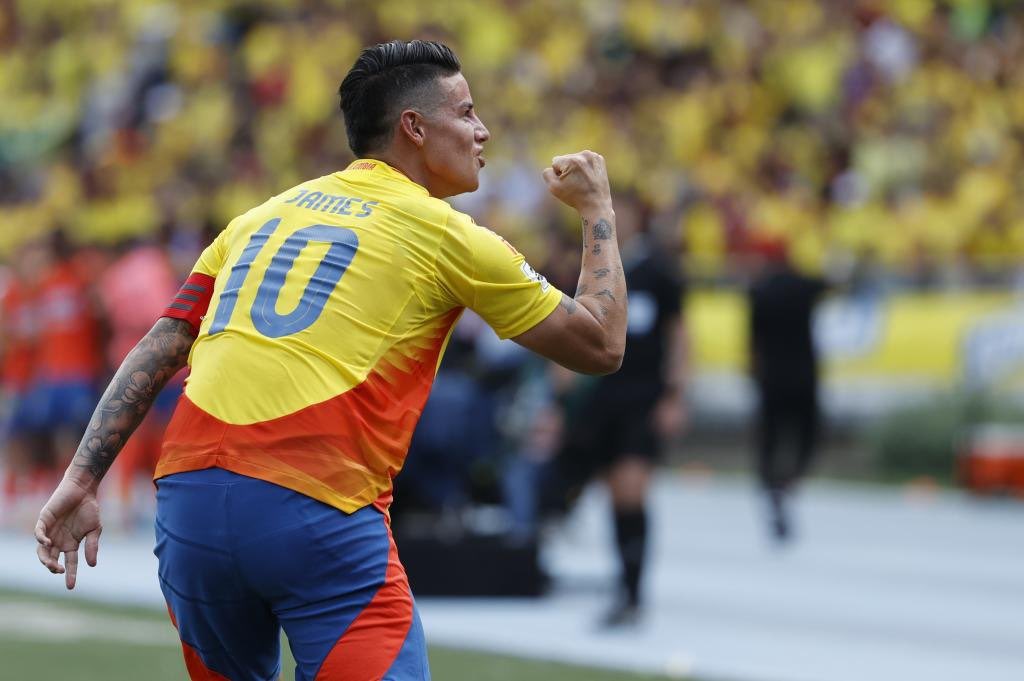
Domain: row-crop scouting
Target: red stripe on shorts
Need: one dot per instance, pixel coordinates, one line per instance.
(371, 643)
(197, 670)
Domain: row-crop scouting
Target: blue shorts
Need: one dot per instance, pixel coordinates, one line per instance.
(51, 405)
(241, 558)
(20, 420)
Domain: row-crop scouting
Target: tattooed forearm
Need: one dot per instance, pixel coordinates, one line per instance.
(602, 230)
(144, 372)
(600, 298)
(601, 289)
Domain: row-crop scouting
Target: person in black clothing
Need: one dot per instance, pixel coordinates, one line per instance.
(617, 427)
(784, 365)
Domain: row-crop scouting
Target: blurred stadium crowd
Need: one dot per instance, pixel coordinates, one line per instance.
(851, 128)
(853, 133)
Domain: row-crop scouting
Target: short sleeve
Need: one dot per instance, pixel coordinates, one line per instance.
(478, 269)
(212, 258)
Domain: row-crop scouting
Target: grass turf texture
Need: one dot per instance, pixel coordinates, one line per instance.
(48, 638)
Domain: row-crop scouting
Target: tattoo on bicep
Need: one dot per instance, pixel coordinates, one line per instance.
(601, 272)
(569, 304)
(607, 293)
(146, 370)
(602, 230)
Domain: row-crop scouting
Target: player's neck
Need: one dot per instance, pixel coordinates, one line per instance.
(408, 166)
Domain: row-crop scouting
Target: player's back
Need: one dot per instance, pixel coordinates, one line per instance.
(322, 338)
(331, 305)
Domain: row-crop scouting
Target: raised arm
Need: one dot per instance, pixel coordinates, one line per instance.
(72, 512)
(586, 333)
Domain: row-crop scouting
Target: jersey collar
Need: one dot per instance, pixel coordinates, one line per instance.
(382, 169)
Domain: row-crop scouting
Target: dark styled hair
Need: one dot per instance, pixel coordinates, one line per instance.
(386, 79)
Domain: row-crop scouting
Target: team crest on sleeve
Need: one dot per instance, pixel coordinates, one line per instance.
(534, 275)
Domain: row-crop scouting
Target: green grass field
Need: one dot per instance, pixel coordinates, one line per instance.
(46, 638)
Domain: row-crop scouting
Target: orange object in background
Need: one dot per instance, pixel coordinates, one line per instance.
(992, 460)
(69, 341)
(17, 338)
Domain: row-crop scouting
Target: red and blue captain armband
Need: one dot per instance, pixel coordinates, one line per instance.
(192, 301)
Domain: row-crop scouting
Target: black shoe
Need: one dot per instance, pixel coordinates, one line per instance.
(781, 529)
(622, 615)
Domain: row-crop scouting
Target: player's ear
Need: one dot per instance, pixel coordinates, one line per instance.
(410, 124)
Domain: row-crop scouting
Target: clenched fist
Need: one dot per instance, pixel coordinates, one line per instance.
(579, 180)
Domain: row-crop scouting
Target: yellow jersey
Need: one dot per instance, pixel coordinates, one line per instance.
(331, 307)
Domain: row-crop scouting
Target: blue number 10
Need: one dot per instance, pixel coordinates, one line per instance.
(265, 317)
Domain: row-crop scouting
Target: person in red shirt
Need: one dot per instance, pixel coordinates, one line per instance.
(18, 334)
(69, 357)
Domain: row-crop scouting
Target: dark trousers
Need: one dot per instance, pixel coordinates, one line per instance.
(787, 434)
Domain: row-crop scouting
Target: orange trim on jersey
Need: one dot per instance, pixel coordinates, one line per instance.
(343, 451)
(197, 669)
(371, 643)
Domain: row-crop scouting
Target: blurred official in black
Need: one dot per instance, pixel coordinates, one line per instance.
(618, 428)
(784, 365)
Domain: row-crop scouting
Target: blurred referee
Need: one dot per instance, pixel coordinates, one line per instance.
(617, 431)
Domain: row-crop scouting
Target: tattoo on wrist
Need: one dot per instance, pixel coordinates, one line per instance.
(602, 230)
(131, 392)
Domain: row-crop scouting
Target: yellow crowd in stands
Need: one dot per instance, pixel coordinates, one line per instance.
(845, 128)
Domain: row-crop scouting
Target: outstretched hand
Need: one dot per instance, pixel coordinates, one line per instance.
(71, 515)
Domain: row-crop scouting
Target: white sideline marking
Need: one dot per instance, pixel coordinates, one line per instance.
(32, 621)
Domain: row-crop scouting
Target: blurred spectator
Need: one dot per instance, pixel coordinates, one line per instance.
(68, 363)
(533, 427)
(18, 334)
(821, 121)
(784, 365)
(626, 416)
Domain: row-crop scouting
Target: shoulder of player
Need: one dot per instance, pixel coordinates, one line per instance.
(457, 221)
(463, 227)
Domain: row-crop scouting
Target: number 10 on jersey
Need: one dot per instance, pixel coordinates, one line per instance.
(343, 245)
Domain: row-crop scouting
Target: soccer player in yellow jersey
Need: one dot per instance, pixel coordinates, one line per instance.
(314, 325)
